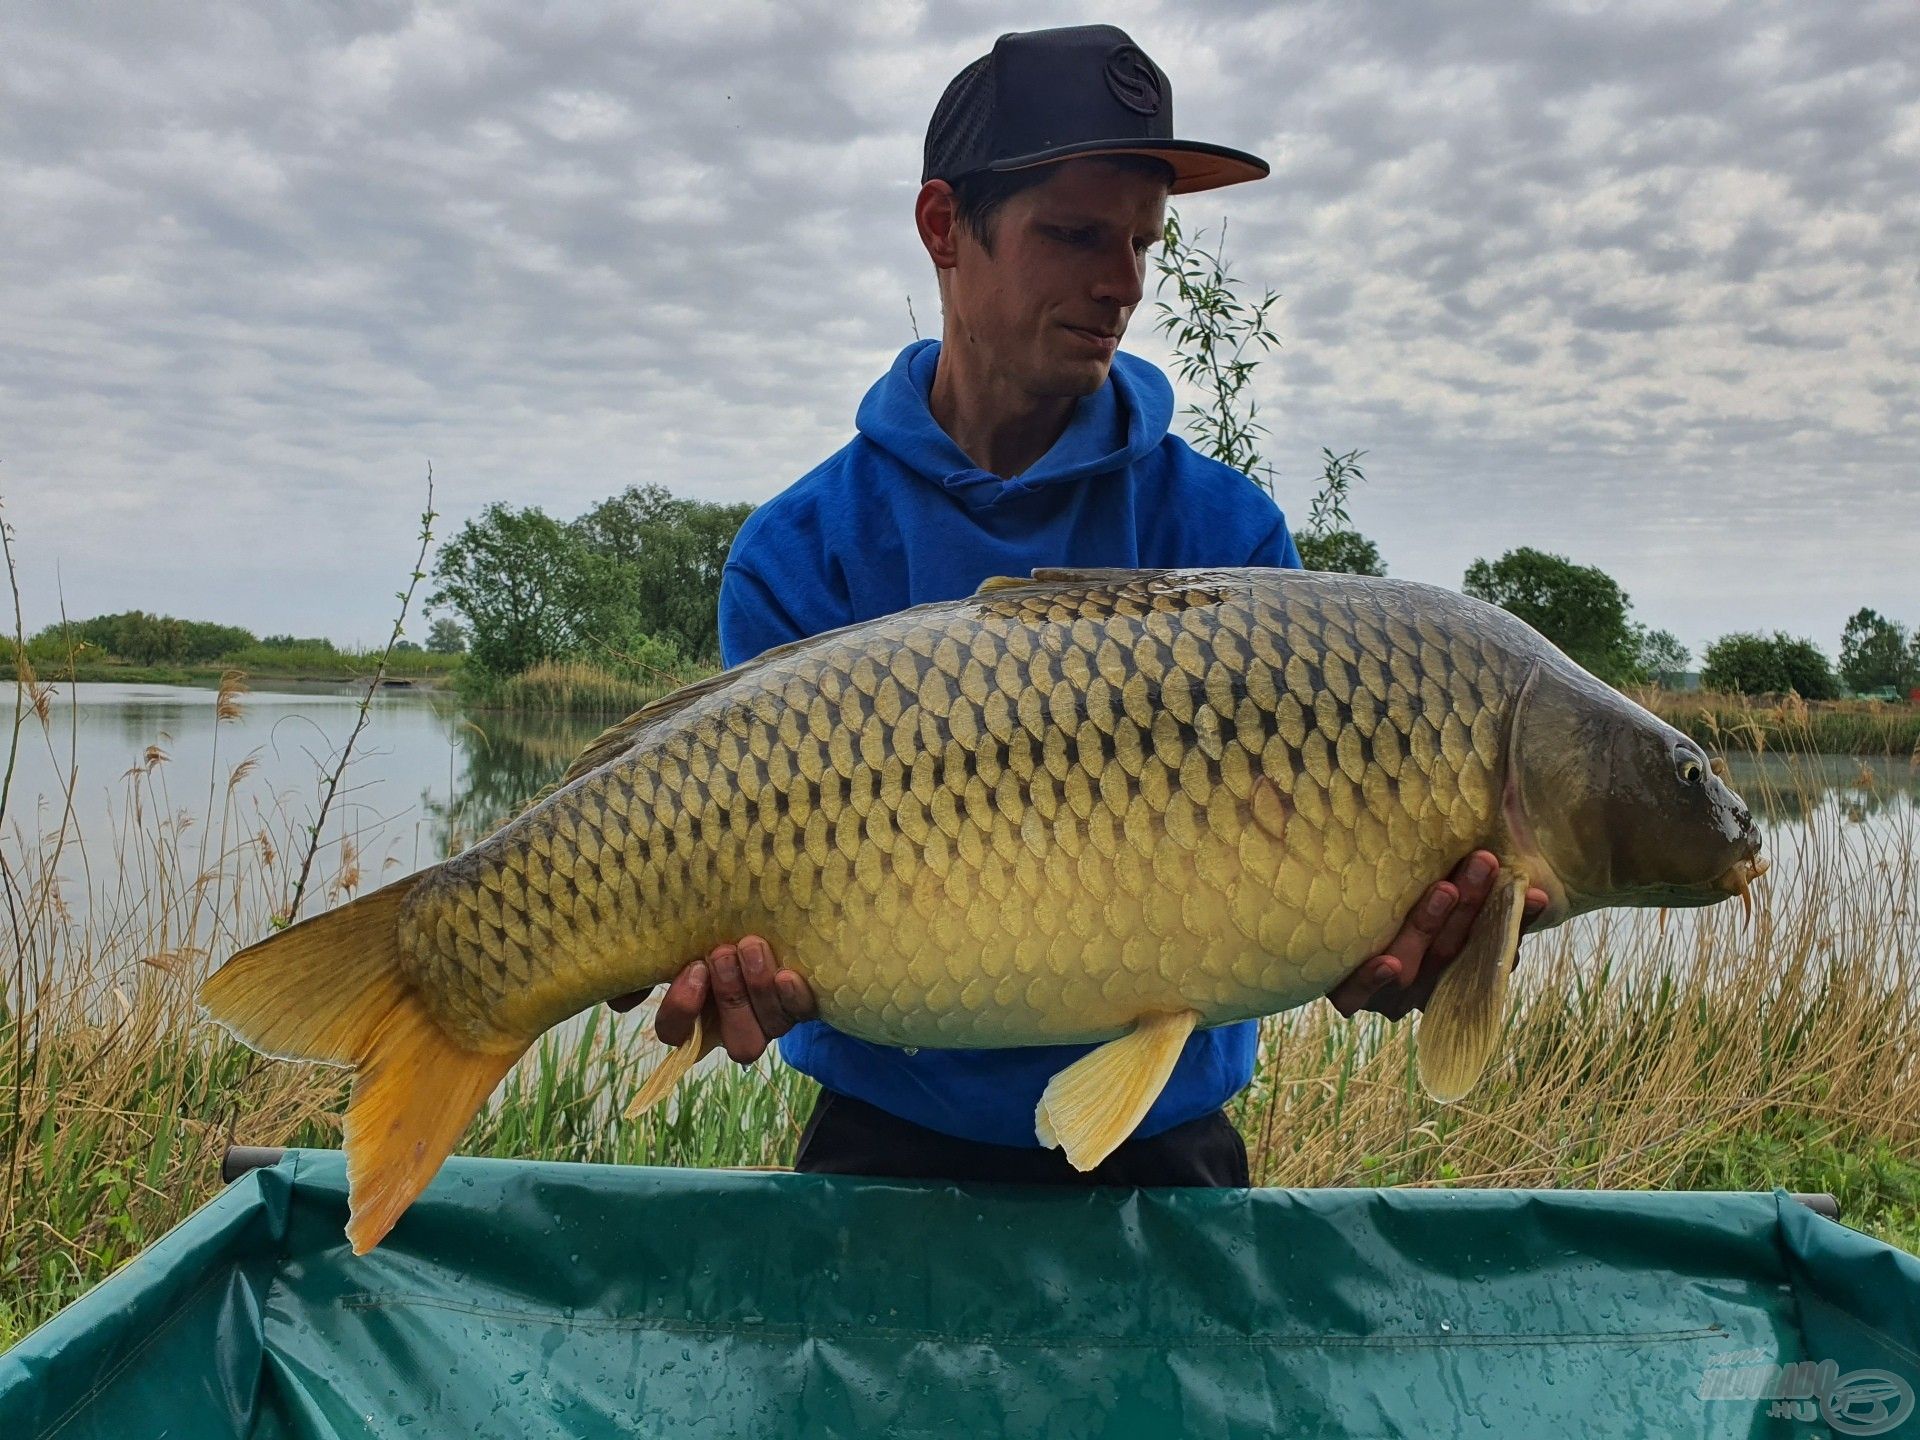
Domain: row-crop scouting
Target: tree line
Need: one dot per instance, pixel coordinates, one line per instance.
(1586, 613)
(137, 637)
(632, 585)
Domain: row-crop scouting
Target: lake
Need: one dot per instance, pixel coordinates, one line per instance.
(423, 774)
(427, 776)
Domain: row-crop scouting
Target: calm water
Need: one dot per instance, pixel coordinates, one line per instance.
(426, 775)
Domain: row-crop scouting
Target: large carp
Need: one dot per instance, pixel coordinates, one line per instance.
(1086, 806)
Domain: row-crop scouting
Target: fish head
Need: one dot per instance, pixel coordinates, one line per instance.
(1620, 807)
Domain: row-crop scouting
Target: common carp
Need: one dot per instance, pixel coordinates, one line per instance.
(1087, 806)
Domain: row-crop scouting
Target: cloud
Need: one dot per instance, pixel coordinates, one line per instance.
(1632, 282)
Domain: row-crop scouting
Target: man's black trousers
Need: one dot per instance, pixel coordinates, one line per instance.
(845, 1136)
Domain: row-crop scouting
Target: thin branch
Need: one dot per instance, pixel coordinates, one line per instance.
(366, 705)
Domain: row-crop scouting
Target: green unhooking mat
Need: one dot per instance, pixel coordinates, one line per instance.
(520, 1299)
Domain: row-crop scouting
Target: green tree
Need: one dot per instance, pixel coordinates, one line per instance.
(522, 583)
(1578, 607)
(446, 636)
(1346, 551)
(1773, 664)
(1662, 657)
(204, 641)
(148, 639)
(660, 574)
(1877, 653)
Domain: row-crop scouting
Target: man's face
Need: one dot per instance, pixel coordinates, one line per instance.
(1048, 305)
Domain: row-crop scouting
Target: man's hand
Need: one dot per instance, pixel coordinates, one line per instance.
(1402, 977)
(747, 1002)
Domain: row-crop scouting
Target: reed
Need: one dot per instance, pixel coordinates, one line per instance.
(1708, 1054)
(1774, 724)
(572, 687)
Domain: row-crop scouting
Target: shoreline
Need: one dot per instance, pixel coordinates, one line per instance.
(210, 677)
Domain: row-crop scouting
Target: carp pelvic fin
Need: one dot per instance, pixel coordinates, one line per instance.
(672, 1070)
(1094, 1104)
(331, 989)
(1462, 1020)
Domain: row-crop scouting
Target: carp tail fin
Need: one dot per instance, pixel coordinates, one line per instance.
(331, 989)
(413, 1095)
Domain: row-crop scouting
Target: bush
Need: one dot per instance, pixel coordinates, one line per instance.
(1347, 552)
(1775, 664)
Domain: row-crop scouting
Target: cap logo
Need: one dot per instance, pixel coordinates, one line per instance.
(1131, 77)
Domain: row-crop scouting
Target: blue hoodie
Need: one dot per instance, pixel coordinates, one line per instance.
(901, 517)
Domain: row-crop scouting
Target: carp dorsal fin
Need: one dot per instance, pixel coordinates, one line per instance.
(1095, 1103)
(1070, 575)
(1462, 1020)
(619, 737)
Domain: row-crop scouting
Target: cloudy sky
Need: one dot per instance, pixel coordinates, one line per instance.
(1635, 282)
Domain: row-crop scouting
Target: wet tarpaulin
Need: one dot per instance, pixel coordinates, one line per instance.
(520, 1299)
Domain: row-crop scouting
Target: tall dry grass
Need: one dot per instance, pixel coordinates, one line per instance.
(1788, 724)
(575, 687)
(117, 1099)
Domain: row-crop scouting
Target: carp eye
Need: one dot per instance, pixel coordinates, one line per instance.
(1690, 769)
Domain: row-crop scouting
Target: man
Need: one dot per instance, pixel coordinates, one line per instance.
(1021, 438)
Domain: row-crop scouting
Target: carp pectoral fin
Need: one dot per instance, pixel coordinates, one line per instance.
(1462, 1020)
(672, 1070)
(1093, 1104)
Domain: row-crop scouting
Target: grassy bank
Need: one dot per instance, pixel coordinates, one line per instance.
(1706, 1055)
(574, 687)
(1729, 722)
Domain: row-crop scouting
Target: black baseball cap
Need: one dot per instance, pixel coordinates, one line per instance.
(1044, 96)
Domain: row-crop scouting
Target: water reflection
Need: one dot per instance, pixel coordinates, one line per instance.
(1791, 788)
(507, 760)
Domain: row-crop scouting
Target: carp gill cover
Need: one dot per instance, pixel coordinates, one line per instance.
(1089, 806)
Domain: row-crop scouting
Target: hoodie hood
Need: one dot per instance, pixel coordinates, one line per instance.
(1120, 423)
